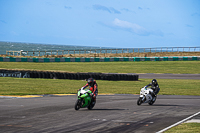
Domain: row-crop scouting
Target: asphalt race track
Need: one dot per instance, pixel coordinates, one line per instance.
(169, 76)
(112, 113)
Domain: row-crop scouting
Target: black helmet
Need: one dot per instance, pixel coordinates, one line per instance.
(154, 82)
(90, 81)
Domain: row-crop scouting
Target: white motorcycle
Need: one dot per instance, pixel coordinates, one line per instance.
(145, 96)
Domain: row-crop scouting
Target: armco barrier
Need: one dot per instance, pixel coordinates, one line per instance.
(97, 59)
(66, 75)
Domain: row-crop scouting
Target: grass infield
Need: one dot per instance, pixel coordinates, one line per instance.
(191, 67)
(20, 86)
(185, 128)
(31, 86)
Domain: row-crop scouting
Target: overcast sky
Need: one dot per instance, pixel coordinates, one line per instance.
(103, 23)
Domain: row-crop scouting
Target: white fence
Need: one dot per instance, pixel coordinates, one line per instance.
(103, 51)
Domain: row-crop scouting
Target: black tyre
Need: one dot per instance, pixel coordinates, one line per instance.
(77, 105)
(91, 105)
(139, 101)
(152, 101)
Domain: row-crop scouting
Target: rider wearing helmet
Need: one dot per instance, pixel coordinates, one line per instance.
(93, 87)
(154, 86)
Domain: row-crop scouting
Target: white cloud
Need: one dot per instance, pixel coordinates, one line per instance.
(68, 7)
(3, 21)
(14, 33)
(134, 28)
(104, 8)
(100, 7)
(114, 10)
(195, 14)
(127, 10)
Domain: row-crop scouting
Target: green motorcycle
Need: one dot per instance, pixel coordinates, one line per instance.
(84, 99)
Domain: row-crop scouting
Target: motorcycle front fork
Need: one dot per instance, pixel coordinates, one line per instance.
(143, 99)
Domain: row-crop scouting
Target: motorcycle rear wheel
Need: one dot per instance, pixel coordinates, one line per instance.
(139, 101)
(91, 105)
(77, 105)
(152, 101)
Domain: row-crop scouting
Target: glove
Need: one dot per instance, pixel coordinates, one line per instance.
(91, 94)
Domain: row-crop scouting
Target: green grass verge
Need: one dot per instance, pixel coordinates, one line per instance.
(26, 86)
(185, 128)
(191, 67)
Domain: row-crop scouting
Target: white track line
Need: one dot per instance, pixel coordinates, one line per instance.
(177, 123)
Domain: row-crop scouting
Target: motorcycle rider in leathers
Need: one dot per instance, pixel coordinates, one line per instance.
(93, 87)
(154, 86)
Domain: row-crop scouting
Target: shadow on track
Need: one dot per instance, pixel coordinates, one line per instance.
(109, 109)
(162, 105)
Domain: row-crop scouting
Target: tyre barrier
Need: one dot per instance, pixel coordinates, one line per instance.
(66, 75)
(16, 73)
(98, 59)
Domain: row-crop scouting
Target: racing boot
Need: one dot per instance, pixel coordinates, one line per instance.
(93, 100)
(153, 96)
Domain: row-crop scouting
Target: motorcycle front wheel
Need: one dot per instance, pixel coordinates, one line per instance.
(77, 105)
(139, 101)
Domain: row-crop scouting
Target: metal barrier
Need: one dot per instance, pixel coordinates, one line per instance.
(102, 51)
